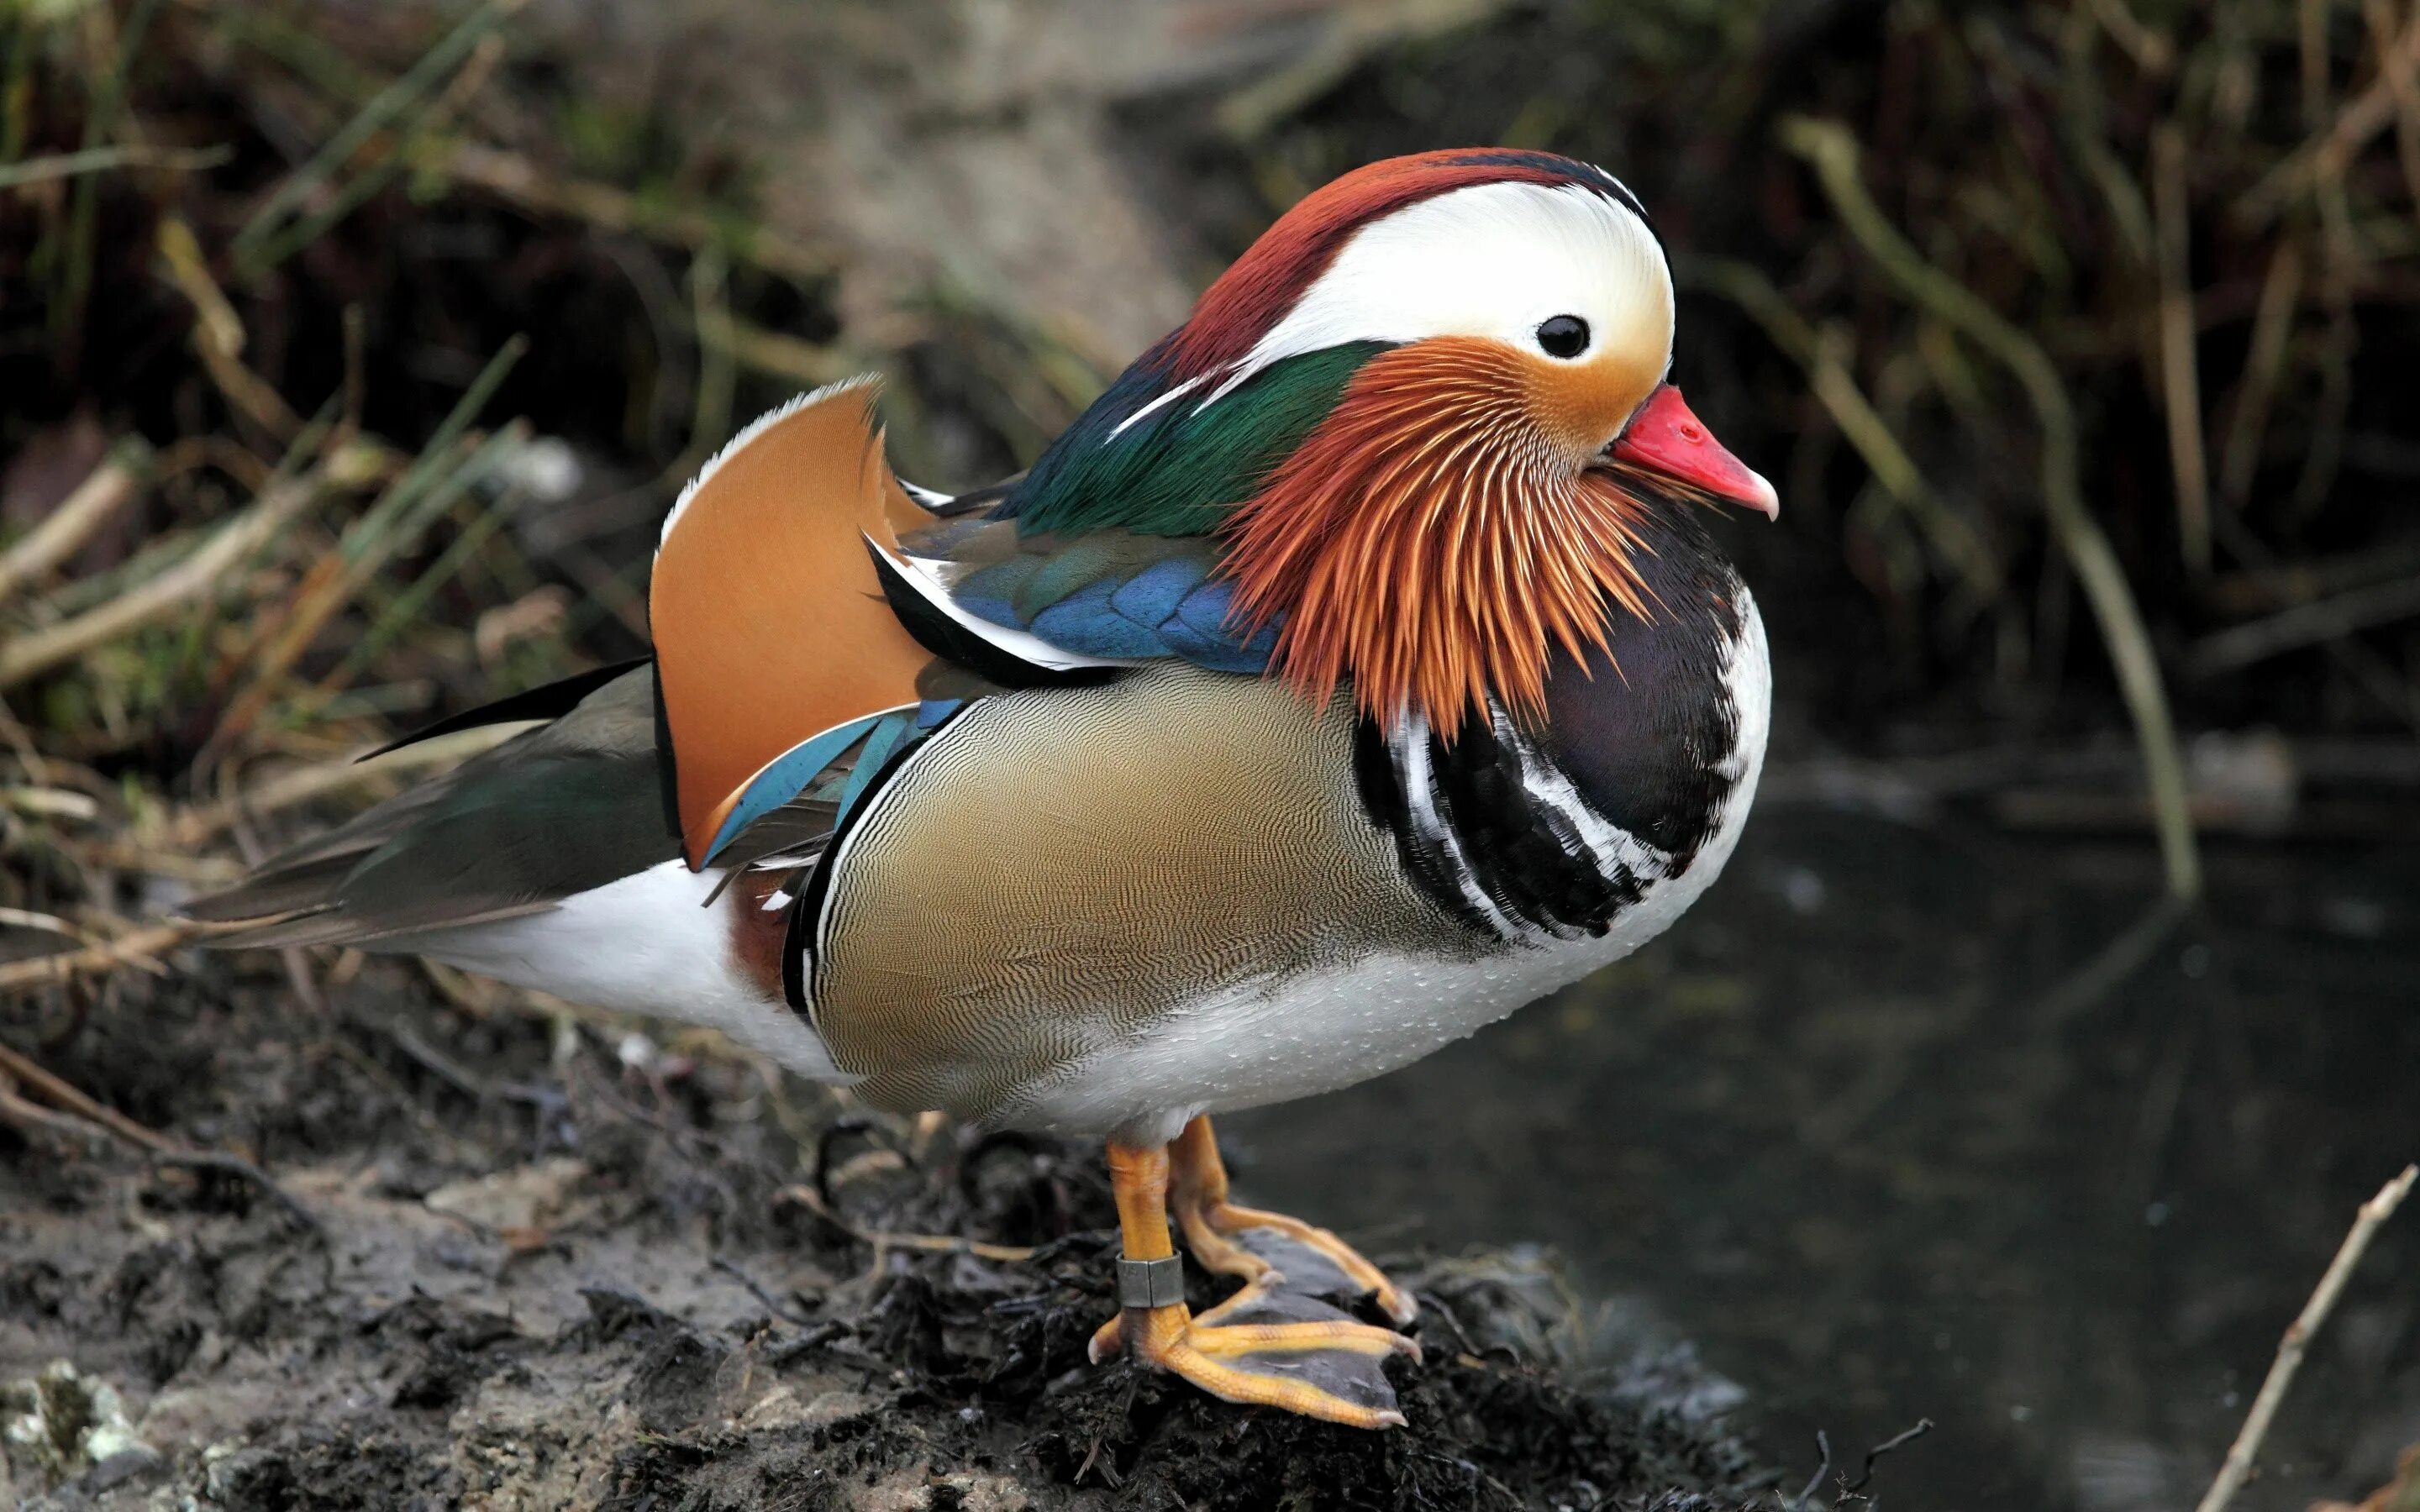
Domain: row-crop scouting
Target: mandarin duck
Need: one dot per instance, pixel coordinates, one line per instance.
(1355, 669)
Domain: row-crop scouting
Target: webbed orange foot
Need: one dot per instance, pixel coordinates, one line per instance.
(1324, 1367)
(1271, 1344)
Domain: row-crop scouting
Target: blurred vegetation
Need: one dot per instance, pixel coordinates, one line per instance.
(350, 354)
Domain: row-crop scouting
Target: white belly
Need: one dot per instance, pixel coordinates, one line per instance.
(645, 944)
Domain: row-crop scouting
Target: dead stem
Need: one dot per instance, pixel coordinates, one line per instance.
(446, 467)
(2237, 1465)
(137, 950)
(102, 159)
(218, 333)
(781, 356)
(2272, 322)
(251, 246)
(398, 152)
(108, 490)
(2311, 34)
(72, 1115)
(2179, 378)
(197, 576)
(807, 1197)
(511, 176)
(2316, 623)
(1951, 538)
(2398, 66)
(1833, 152)
(2327, 156)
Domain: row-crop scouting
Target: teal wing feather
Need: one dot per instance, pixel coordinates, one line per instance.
(1108, 548)
(794, 812)
(1158, 461)
(553, 812)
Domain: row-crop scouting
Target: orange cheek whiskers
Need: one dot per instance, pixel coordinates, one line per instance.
(1431, 542)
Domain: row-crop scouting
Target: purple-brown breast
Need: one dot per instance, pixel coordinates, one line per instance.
(757, 931)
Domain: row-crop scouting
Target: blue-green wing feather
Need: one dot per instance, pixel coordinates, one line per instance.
(1177, 469)
(1110, 547)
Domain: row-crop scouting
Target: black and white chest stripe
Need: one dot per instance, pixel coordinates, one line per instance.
(1530, 836)
(1496, 835)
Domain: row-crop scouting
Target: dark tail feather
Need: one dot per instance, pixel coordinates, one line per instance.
(548, 814)
(550, 701)
(333, 925)
(303, 887)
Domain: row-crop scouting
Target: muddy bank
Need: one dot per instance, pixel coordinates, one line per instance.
(535, 1262)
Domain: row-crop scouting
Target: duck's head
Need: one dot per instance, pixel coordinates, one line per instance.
(1428, 411)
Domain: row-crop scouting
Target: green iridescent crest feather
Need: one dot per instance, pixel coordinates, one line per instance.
(1180, 469)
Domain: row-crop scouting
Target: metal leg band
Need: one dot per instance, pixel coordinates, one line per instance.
(1158, 1283)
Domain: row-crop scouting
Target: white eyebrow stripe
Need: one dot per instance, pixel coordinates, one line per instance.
(1490, 259)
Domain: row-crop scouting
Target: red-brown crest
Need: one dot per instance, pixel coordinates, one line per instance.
(1272, 273)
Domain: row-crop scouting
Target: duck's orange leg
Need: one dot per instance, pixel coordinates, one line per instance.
(1327, 1368)
(1198, 1195)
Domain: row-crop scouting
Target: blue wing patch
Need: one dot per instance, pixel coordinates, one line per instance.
(896, 727)
(1112, 593)
(1202, 631)
(824, 763)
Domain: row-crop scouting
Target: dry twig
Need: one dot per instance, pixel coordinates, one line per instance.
(450, 464)
(135, 949)
(197, 576)
(102, 160)
(2272, 322)
(107, 490)
(512, 177)
(2238, 1466)
(2317, 623)
(807, 1197)
(258, 244)
(218, 333)
(72, 1113)
(2325, 157)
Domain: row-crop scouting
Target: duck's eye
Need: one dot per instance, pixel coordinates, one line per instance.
(1565, 335)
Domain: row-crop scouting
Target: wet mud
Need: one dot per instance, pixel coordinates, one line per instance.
(514, 1260)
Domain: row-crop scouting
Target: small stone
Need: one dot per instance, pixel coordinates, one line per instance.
(63, 1423)
(124, 1466)
(525, 1198)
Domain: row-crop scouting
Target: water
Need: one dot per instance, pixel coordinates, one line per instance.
(1865, 1127)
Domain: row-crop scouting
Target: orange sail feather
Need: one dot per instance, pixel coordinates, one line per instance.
(770, 623)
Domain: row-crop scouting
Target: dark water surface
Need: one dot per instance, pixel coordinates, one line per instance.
(1869, 1127)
